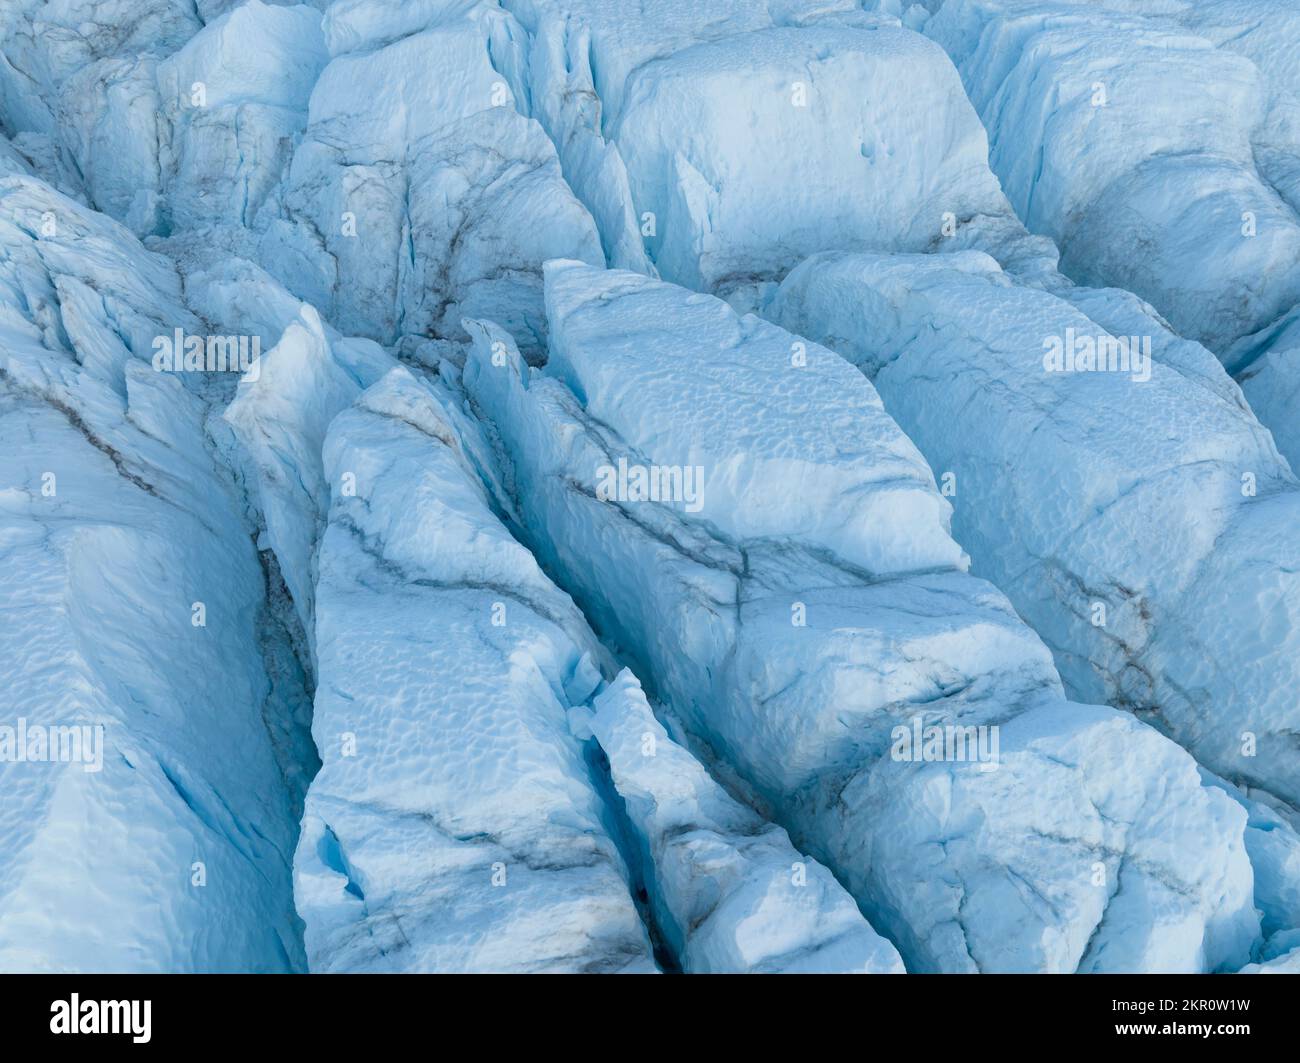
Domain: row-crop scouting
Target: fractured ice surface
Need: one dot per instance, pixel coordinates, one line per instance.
(1281, 957)
(1274, 848)
(420, 194)
(166, 120)
(234, 110)
(732, 892)
(361, 185)
(1183, 186)
(795, 649)
(454, 825)
(1128, 140)
(134, 601)
(280, 414)
(746, 152)
(1268, 34)
(1112, 509)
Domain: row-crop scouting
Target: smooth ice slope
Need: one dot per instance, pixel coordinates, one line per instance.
(866, 495)
(454, 825)
(755, 151)
(134, 601)
(1139, 525)
(1088, 843)
(732, 893)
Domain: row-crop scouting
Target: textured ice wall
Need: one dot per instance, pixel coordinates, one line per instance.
(795, 662)
(136, 607)
(1140, 520)
(454, 825)
(732, 893)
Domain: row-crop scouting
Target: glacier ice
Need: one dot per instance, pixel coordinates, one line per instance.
(1143, 144)
(375, 629)
(233, 111)
(734, 157)
(733, 893)
(135, 603)
(1278, 961)
(804, 649)
(1090, 470)
(1267, 365)
(280, 414)
(1162, 161)
(454, 824)
(418, 193)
